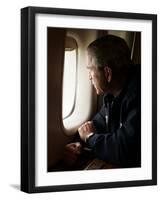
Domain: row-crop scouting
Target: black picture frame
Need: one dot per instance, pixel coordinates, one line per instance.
(28, 98)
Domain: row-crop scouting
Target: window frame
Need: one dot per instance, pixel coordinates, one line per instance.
(76, 80)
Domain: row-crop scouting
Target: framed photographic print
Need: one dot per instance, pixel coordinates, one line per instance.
(88, 99)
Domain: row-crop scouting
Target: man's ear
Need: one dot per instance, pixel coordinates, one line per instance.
(108, 73)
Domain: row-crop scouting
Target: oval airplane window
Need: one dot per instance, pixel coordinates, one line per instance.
(69, 77)
(83, 99)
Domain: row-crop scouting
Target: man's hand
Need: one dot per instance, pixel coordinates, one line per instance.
(86, 129)
(72, 152)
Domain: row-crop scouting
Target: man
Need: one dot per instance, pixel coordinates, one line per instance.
(114, 134)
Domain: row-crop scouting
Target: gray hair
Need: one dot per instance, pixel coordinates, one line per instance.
(111, 51)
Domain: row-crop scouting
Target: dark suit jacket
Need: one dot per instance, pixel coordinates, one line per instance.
(122, 145)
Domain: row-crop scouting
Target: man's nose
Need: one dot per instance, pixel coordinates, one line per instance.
(90, 77)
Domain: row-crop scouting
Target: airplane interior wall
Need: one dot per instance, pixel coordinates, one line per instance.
(60, 131)
(136, 56)
(56, 138)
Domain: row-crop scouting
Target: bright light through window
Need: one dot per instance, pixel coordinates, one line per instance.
(69, 82)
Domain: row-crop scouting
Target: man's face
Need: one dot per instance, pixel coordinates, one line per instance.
(96, 75)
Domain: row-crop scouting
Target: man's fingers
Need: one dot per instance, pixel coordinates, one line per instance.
(76, 148)
(86, 129)
(73, 148)
(71, 153)
(78, 145)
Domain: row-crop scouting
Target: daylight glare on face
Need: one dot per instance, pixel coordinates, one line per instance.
(94, 74)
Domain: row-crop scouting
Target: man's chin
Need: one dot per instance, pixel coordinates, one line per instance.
(98, 92)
